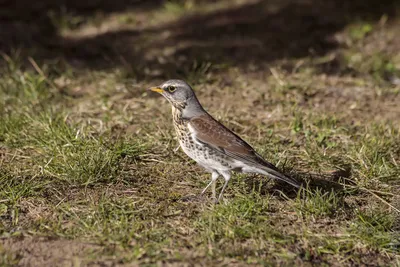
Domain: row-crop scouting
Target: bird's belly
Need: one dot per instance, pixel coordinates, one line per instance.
(205, 156)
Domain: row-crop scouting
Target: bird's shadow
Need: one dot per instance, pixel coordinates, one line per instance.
(335, 181)
(324, 183)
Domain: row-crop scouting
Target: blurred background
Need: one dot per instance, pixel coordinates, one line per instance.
(164, 38)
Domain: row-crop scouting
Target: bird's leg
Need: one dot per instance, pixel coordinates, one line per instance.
(227, 177)
(177, 148)
(214, 176)
(214, 194)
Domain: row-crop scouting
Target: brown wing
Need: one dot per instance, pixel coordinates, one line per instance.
(214, 134)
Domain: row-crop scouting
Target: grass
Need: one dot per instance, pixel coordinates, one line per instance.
(88, 164)
(7, 258)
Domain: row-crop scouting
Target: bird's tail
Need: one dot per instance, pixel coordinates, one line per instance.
(275, 174)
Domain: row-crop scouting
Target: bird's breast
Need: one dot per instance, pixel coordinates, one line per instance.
(202, 154)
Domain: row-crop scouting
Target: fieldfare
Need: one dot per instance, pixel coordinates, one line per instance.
(208, 142)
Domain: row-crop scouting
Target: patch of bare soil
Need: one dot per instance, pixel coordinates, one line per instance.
(33, 251)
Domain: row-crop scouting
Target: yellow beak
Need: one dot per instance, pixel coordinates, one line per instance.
(156, 89)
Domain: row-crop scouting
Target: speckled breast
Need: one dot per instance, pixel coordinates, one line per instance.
(202, 154)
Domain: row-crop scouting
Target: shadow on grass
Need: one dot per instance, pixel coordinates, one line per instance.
(255, 33)
(325, 183)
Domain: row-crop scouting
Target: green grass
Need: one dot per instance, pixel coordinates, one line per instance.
(87, 161)
(7, 258)
(374, 227)
(318, 203)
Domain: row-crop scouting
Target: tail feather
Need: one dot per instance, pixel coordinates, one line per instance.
(277, 175)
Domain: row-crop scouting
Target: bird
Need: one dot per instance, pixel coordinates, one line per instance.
(208, 142)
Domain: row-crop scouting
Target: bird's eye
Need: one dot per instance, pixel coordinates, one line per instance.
(171, 88)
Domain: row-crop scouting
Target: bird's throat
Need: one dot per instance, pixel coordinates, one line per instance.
(187, 110)
(177, 114)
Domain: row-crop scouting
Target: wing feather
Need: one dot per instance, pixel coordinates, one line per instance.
(210, 132)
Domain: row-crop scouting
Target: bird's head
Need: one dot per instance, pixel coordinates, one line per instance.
(177, 92)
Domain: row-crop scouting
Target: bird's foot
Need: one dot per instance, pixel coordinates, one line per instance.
(215, 200)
